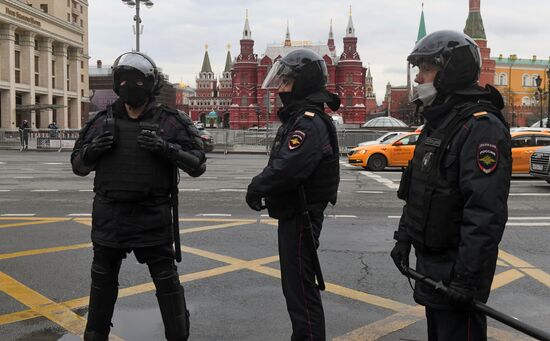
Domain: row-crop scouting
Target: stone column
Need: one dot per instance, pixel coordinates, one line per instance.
(75, 111)
(60, 53)
(7, 74)
(27, 74)
(45, 77)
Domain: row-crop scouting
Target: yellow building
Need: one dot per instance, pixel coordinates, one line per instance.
(515, 79)
(43, 62)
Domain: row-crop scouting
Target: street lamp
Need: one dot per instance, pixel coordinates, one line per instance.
(137, 18)
(548, 114)
(538, 81)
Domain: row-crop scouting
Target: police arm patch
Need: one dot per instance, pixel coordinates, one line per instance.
(487, 157)
(297, 137)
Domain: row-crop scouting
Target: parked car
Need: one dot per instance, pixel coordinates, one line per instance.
(207, 140)
(380, 140)
(524, 144)
(539, 166)
(395, 152)
(199, 125)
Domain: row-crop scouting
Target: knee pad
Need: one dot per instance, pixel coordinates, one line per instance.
(167, 282)
(103, 276)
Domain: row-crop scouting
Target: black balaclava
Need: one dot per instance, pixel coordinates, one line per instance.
(131, 93)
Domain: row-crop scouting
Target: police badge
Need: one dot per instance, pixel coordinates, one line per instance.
(487, 157)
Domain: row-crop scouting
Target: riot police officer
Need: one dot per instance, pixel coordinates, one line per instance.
(299, 181)
(456, 186)
(134, 148)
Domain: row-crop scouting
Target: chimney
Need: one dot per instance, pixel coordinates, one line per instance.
(99, 63)
(534, 57)
(500, 56)
(513, 56)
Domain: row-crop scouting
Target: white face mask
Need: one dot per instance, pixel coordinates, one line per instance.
(425, 93)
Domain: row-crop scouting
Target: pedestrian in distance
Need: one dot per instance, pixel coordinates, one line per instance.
(24, 131)
(135, 148)
(300, 179)
(455, 187)
(53, 130)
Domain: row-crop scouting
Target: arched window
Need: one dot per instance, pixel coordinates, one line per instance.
(503, 79)
(525, 101)
(496, 80)
(244, 101)
(534, 101)
(526, 80)
(534, 80)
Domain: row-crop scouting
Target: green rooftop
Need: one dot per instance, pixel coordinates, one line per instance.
(512, 60)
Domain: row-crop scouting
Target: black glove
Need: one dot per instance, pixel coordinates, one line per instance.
(400, 255)
(461, 293)
(99, 145)
(254, 200)
(152, 142)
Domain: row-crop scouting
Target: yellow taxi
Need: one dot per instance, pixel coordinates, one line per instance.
(395, 152)
(524, 144)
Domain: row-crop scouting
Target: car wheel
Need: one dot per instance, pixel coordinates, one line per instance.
(377, 162)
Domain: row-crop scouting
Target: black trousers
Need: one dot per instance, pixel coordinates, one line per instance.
(453, 325)
(303, 298)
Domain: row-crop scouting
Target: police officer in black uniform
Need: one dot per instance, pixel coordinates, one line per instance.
(456, 186)
(134, 147)
(300, 179)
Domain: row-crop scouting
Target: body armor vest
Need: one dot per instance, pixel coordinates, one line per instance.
(128, 172)
(433, 214)
(322, 184)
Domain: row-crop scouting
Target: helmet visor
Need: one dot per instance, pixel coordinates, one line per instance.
(136, 61)
(412, 71)
(278, 75)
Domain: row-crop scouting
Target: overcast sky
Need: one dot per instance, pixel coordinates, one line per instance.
(176, 31)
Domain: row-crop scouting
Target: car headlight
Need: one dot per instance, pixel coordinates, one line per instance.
(362, 151)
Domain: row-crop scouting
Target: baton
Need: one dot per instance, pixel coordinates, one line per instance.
(175, 216)
(508, 320)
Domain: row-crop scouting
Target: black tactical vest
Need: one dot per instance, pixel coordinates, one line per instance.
(128, 172)
(433, 214)
(322, 184)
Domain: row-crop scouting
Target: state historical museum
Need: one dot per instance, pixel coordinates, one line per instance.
(235, 101)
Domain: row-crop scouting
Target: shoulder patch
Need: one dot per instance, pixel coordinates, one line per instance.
(309, 114)
(487, 157)
(297, 137)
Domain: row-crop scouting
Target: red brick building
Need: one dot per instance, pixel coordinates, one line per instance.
(238, 98)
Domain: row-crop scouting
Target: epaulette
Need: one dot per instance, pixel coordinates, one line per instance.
(309, 114)
(168, 109)
(480, 114)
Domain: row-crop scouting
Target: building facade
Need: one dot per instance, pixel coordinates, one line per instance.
(240, 105)
(43, 63)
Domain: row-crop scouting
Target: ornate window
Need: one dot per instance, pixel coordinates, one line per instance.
(526, 80)
(503, 79)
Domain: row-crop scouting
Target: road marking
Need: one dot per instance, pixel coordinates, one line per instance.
(394, 217)
(209, 177)
(341, 216)
(79, 215)
(18, 215)
(243, 177)
(54, 163)
(213, 215)
(42, 305)
(28, 221)
(347, 179)
(529, 194)
(386, 182)
(370, 192)
(45, 190)
(24, 177)
(526, 268)
(231, 190)
(44, 251)
(85, 190)
(2, 163)
(215, 227)
(5, 190)
(189, 189)
(529, 224)
(528, 218)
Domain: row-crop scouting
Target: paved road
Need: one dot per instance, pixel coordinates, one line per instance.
(230, 266)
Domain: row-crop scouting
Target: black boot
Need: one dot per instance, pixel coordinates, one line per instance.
(175, 315)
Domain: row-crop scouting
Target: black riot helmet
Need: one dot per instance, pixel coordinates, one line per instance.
(303, 66)
(132, 65)
(455, 54)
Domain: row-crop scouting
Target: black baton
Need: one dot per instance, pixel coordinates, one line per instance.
(508, 320)
(175, 216)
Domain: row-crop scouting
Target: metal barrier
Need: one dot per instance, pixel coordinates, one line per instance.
(52, 139)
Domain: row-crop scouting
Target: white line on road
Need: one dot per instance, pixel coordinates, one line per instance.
(243, 177)
(24, 177)
(231, 190)
(45, 190)
(369, 192)
(394, 217)
(386, 182)
(18, 215)
(528, 218)
(529, 224)
(79, 215)
(209, 177)
(2, 163)
(341, 216)
(213, 215)
(85, 190)
(5, 190)
(189, 189)
(53, 163)
(530, 194)
(264, 215)
(347, 179)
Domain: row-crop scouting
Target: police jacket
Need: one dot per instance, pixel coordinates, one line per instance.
(133, 185)
(456, 190)
(304, 153)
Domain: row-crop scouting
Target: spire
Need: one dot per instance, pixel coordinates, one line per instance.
(422, 26)
(369, 76)
(247, 34)
(228, 63)
(206, 61)
(330, 34)
(474, 24)
(287, 37)
(350, 30)
(330, 42)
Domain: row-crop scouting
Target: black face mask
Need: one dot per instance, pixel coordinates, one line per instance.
(286, 98)
(133, 95)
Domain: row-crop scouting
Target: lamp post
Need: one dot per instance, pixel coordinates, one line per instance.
(137, 18)
(538, 81)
